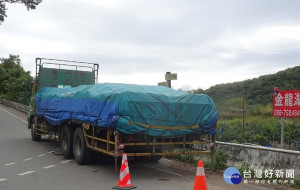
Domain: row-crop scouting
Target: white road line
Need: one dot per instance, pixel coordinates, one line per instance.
(27, 159)
(3, 179)
(163, 170)
(14, 115)
(41, 155)
(25, 173)
(10, 164)
(66, 161)
(51, 152)
(50, 166)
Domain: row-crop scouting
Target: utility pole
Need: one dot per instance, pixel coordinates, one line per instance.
(244, 116)
(243, 119)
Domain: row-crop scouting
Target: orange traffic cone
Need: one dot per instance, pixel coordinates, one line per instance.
(200, 181)
(124, 179)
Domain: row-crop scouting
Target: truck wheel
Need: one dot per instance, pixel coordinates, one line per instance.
(82, 154)
(66, 141)
(34, 135)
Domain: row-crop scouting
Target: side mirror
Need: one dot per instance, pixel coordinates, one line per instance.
(27, 89)
(31, 84)
(24, 86)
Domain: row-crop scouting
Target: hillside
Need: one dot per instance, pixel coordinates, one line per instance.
(258, 124)
(256, 91)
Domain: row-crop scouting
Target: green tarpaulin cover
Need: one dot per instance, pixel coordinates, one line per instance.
(130, 109)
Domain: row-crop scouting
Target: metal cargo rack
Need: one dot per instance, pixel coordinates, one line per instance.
(65, 72)
(113, 144)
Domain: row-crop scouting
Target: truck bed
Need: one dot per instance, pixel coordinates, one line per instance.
(129, 109)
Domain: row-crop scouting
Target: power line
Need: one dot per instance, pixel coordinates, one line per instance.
(149, 32)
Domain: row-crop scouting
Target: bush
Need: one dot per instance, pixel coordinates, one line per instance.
(221, 160)
(296, 183)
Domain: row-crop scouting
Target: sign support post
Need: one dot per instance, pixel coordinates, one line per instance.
(282, 134)
(168, 81)
(168, 77)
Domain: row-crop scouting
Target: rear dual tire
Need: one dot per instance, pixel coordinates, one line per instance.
(82, 154)
(34, 131)
(66, 143)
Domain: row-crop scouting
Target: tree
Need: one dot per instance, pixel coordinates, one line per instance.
(198, 91)
(30, 4)
(13, 79)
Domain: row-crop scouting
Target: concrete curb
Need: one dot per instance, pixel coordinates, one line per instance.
(18, 106)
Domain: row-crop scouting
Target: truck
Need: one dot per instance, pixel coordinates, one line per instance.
(146, 122)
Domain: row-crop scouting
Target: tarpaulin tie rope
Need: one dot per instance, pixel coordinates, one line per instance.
(164, 127)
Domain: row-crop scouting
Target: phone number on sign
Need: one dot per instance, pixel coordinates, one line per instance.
(286, 113)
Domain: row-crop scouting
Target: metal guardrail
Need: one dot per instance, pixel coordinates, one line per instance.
(259, 147)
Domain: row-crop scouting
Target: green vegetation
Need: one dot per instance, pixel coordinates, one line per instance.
(30, 4)
(254, 99)
(221, 160)
(14, 81)
(260, 130)
(186, 158)
(296, 183)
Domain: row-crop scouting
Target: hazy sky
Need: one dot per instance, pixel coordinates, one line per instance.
(137, 41)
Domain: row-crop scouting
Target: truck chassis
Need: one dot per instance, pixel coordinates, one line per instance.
(81, 139)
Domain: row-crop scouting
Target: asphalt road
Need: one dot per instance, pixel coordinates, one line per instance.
(25, 164)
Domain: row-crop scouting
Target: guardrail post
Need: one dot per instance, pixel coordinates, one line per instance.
(154, 145)
(184, 141)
